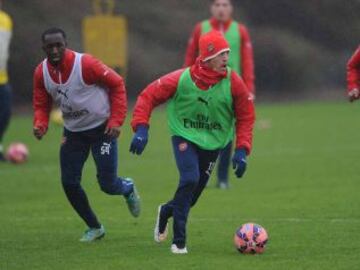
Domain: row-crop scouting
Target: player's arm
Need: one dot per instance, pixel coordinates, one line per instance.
(95, 72)
(353, 76)
(243, 101)
(244, 113)
(154, 94)
(192, 50)
(42, 103)
(247, 59)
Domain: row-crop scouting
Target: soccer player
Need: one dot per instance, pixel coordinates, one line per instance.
(240, 60)
(5, 91)
(92, 98)
(206, 102)
(353, 76)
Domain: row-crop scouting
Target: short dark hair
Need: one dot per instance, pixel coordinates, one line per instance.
(52, 30)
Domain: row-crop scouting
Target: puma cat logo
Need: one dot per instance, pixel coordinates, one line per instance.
(200, 99)
(63, 93)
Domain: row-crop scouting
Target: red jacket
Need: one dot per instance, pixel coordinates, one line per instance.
(353, 71)
(93, 72)
(246, 51)
(164, 88)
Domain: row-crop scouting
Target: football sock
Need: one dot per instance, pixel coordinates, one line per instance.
(127, 186)
(162, 221)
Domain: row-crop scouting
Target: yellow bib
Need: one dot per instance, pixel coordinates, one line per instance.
(5, 36)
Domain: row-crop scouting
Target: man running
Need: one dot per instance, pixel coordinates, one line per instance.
(206, 102)
(92, 98)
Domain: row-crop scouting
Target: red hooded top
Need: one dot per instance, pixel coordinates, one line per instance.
(93, 72)
(164, 88)
(246, 51)
(353, 71)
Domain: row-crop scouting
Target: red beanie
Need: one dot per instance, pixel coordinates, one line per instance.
(212, 44)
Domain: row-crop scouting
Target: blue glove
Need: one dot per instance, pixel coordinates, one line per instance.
(139, 140)
(239, 162)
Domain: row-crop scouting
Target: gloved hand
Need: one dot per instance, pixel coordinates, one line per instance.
(239, 162)
(139, 140)
(39, 131)
(353, 94)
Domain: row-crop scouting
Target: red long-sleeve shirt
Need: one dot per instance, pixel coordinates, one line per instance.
(164, 88)
(246, 50)
(353, 71)
(93, 72)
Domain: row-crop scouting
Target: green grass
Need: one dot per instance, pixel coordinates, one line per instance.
(302, 185)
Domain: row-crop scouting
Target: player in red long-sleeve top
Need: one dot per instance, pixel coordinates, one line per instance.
(241, 60)
(92, 98)
(221, 20)
(207, 101)
(353, 76)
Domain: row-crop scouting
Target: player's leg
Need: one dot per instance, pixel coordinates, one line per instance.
(223, 167)
(105, 155)
(73, 154)
(5, 112)
(207, 161)
(187, 163)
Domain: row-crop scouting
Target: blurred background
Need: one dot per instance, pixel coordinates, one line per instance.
(300, 47)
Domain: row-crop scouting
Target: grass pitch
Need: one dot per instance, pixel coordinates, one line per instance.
(302, 185)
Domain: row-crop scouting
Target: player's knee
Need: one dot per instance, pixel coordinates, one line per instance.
(70, 187)
(190, 179)
(70, 179)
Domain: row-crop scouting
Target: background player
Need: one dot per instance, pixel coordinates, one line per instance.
(353, 76)
(5, 91)
(92, 98)
(205, 101)
(240, 60)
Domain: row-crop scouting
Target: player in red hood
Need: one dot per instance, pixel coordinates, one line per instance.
(353, 76)
(207, 102)
(241, 60)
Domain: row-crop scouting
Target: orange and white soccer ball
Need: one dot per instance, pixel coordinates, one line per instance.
(250, 238)
(17, 153)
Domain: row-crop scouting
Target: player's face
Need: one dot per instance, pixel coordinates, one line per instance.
(221, 10)
(54, 46)
(219, 63)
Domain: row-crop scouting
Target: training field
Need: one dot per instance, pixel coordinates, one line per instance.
(302, 185)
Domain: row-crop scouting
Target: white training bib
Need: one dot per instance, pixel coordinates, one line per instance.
(83, 106)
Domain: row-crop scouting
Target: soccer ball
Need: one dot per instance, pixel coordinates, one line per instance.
(250, 238)
(17, 153)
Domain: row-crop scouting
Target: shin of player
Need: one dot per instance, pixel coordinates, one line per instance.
(92, 98)
(207, 101)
